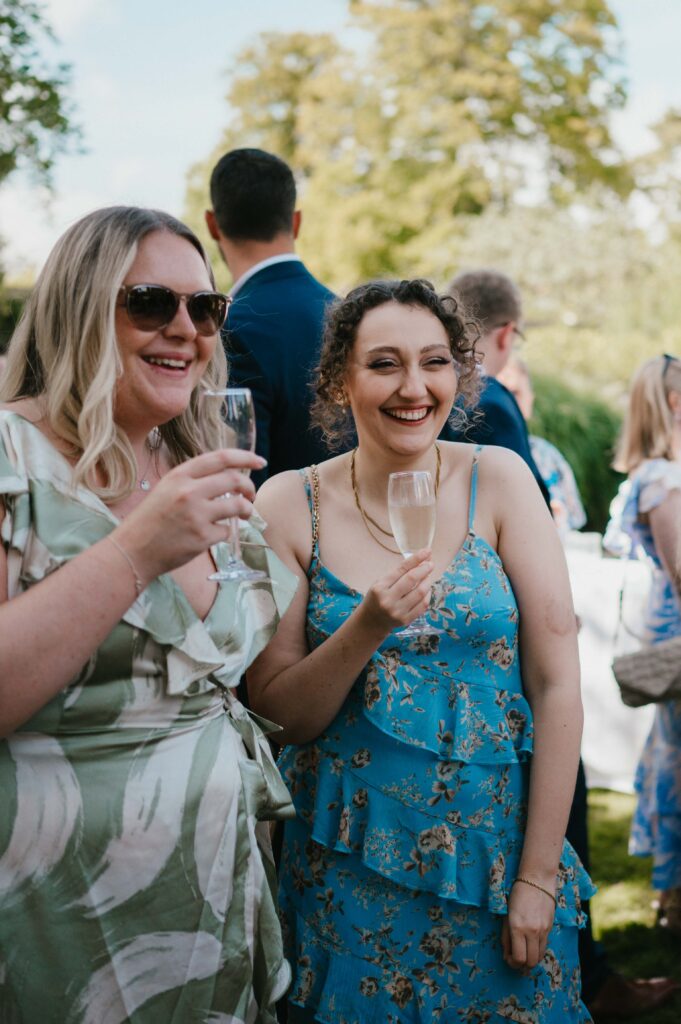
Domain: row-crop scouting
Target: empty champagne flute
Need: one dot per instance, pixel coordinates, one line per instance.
(412, 511)
(238, 415)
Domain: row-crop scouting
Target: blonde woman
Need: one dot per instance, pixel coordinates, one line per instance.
(646, 523)
(135, 875)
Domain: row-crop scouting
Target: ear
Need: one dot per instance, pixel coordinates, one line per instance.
(296, 222)
(505, 336)
(212, 225)
(674, 403)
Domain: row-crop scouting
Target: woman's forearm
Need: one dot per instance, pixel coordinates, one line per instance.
(305, 697)
(557, 713)
(48, 632)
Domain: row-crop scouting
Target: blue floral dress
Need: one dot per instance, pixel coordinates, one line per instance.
(411, 810)
(656, 827)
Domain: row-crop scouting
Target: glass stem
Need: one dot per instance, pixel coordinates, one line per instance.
(235, 539)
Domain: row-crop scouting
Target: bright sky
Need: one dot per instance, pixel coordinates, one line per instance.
(149, 83)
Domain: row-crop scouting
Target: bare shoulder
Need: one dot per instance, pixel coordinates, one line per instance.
(501, 464)
(278, 492)
(508, 489)
(283, 504)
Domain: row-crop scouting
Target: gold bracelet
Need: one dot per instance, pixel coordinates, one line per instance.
(139, 585)
(526, 881)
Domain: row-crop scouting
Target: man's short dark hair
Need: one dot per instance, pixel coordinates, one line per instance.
(488, 295)
(253, 195)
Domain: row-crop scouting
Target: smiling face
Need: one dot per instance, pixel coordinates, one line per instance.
(401, 379)
(162, 367)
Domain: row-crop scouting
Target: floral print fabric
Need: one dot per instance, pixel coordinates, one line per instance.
(656, 827)
(411, 809)
(136, 877)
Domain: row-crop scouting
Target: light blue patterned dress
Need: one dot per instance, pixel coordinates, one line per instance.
(656, 828)
(411, 809)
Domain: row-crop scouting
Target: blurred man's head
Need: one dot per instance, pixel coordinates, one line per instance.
(494, 300)
(253, 195)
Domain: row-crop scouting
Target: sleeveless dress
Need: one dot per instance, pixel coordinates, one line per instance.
(136, 878)
(656, 826)
(411, 808)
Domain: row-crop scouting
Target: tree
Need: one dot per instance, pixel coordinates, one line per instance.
(456, 106)
(34, 113)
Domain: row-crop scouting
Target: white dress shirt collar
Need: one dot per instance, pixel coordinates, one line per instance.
(286, 257)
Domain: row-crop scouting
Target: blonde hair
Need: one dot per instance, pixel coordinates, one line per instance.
(648, 428)
(64, 350)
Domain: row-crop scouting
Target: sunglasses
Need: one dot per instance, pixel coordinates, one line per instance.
(668, 360)
(153, 306)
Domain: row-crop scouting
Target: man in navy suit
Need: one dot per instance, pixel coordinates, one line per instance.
(494, 300)
(274, 327)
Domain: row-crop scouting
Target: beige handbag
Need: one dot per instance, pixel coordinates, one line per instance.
(650, 675)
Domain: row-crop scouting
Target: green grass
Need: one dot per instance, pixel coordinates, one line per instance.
(623, 915)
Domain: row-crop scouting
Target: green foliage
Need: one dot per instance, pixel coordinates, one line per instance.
(584, 429)
(11, 305)
(454, 106)
(623, 916)
(34, 113)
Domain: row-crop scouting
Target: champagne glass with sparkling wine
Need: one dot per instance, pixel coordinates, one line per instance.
(411, 509)
(238, 414)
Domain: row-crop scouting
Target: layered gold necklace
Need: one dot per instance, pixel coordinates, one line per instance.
(367, 519)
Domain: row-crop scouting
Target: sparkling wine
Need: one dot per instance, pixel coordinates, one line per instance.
(413, 526)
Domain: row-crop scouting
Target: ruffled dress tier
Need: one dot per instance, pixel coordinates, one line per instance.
(656, 826)
(410, 815)
(136, 875)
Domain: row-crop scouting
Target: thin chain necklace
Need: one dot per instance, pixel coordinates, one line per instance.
(152, 447)
(366, 518)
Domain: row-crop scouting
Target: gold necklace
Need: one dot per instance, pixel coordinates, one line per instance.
(366, 518)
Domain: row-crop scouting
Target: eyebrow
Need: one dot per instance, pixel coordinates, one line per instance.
(393, 348)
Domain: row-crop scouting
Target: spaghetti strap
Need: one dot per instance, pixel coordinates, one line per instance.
(474, 488)
(311, 483)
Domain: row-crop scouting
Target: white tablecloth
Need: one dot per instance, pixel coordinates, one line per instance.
(613, 733)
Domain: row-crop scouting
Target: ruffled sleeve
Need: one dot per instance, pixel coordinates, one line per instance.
(626, 535)
(14, 493)
(659, 480)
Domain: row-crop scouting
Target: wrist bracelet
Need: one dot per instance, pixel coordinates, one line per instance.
(139, 585)
(535, 885)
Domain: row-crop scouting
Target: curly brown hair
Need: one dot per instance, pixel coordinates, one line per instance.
(343, 318)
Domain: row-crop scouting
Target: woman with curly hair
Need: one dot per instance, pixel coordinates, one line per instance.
(426, 875)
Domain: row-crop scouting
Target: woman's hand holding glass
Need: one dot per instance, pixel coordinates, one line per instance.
(188, 511)
(401, 596)
(237, 412)
(412, 502)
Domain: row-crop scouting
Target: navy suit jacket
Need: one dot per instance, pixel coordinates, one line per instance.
(272, 340)
(499, 421)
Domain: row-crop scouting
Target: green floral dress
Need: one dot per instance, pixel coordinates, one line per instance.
(136, 878)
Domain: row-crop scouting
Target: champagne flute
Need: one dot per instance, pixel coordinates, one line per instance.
(238, 415)
(412, 511)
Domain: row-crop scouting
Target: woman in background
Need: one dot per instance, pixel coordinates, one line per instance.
(646, 523)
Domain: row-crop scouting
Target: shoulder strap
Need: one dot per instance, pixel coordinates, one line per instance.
(474, 487)
(311, 482)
